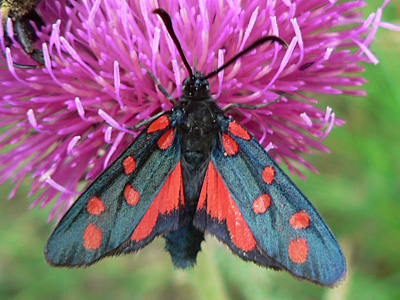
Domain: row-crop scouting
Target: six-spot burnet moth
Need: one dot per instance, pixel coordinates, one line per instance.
(193, 170)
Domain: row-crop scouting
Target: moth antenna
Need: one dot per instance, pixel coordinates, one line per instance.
(257, 43)
(168, 24)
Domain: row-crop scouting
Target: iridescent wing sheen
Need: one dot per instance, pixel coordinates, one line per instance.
(249, 203)
(138, 197)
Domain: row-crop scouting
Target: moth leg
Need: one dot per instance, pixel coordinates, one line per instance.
(146, 121)
(160, 87)
(250, 106)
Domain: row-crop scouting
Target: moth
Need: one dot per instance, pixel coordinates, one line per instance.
(195, 170)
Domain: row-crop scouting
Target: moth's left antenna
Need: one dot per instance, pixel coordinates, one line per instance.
(168, 24)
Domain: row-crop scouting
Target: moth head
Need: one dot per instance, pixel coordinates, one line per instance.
(196, 87)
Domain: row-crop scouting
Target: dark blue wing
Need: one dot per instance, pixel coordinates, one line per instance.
(279, 221)
(138, 197)
(218, 214)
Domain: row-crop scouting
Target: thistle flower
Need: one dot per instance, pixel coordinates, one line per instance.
(66, 122)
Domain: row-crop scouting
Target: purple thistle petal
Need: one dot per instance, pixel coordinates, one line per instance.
(73, 116)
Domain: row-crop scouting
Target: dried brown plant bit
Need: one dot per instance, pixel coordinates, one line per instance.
(22, 13)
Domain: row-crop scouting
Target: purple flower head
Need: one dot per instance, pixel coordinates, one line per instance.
(66, 122)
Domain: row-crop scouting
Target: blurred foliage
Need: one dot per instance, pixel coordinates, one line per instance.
(357, 192)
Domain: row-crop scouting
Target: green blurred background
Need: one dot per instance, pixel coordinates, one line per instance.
(357, 192)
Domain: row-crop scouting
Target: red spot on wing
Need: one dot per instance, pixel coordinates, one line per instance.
(165, 141)
(261, 204)
(300, 220)
(239, 131)
(298, 250)
(268, 174)
(129, 164)
(92, 237)
(169, 198)
(158, 124)
(95, 206)
(131, 195)
(230, 145)
(219, 205)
